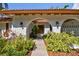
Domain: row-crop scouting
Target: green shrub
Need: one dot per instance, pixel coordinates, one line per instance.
(60, 42)
(2, 43)
(21, 53)
(20, 46)
(8, 50)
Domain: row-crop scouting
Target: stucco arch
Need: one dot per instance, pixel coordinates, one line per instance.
(30, 23)
(66, 20)
(36, 19)
(70, 25)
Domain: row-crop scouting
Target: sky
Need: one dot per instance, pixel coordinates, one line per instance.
(38, 5)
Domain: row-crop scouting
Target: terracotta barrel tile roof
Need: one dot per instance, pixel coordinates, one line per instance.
(43, 11)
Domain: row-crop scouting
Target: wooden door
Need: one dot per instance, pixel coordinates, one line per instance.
(41, 29)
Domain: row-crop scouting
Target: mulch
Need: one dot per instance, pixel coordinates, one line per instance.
(29, 53)
(50, 53)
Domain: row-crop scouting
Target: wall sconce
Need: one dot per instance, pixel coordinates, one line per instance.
(21, 24)
(57, 24)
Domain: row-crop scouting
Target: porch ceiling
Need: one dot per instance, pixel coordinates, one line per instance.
(5, 19)
(40, 21)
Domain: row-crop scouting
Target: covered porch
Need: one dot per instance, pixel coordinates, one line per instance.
(5, 22)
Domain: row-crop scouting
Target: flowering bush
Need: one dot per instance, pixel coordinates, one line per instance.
(60, 42)
(20, 46)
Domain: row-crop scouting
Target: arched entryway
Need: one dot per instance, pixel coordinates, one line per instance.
(38, 27)
(71, 26)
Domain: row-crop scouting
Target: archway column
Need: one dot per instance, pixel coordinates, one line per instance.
(56, 28)
(46, 28)
(28, 29)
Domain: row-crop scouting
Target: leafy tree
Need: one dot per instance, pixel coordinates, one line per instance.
(1, 6)
(66, 6)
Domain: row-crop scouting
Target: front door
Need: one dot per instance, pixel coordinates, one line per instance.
(41, 29)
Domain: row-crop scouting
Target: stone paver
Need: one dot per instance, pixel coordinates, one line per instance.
(40, 49)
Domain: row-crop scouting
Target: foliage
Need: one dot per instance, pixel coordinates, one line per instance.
(66, 6)
(2, 43)
(20, 46)
(35, 28)
(60, 41)
(1, 8)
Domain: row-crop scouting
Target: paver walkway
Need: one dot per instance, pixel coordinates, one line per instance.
(40, 49)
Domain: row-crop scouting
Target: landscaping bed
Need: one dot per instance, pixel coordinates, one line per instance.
(58, 44)
(20, 46)
(50, 53)
(29, 53)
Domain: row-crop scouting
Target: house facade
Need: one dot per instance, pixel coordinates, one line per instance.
(55, 20)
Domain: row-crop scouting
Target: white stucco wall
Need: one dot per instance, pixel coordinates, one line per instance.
(27, 19)
(16, 25)
(2, 27)
(46, 28)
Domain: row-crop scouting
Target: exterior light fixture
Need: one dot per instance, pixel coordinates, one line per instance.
(21, 24)
(57, 24)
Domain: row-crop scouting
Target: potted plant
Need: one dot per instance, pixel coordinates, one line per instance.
(34, 31)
